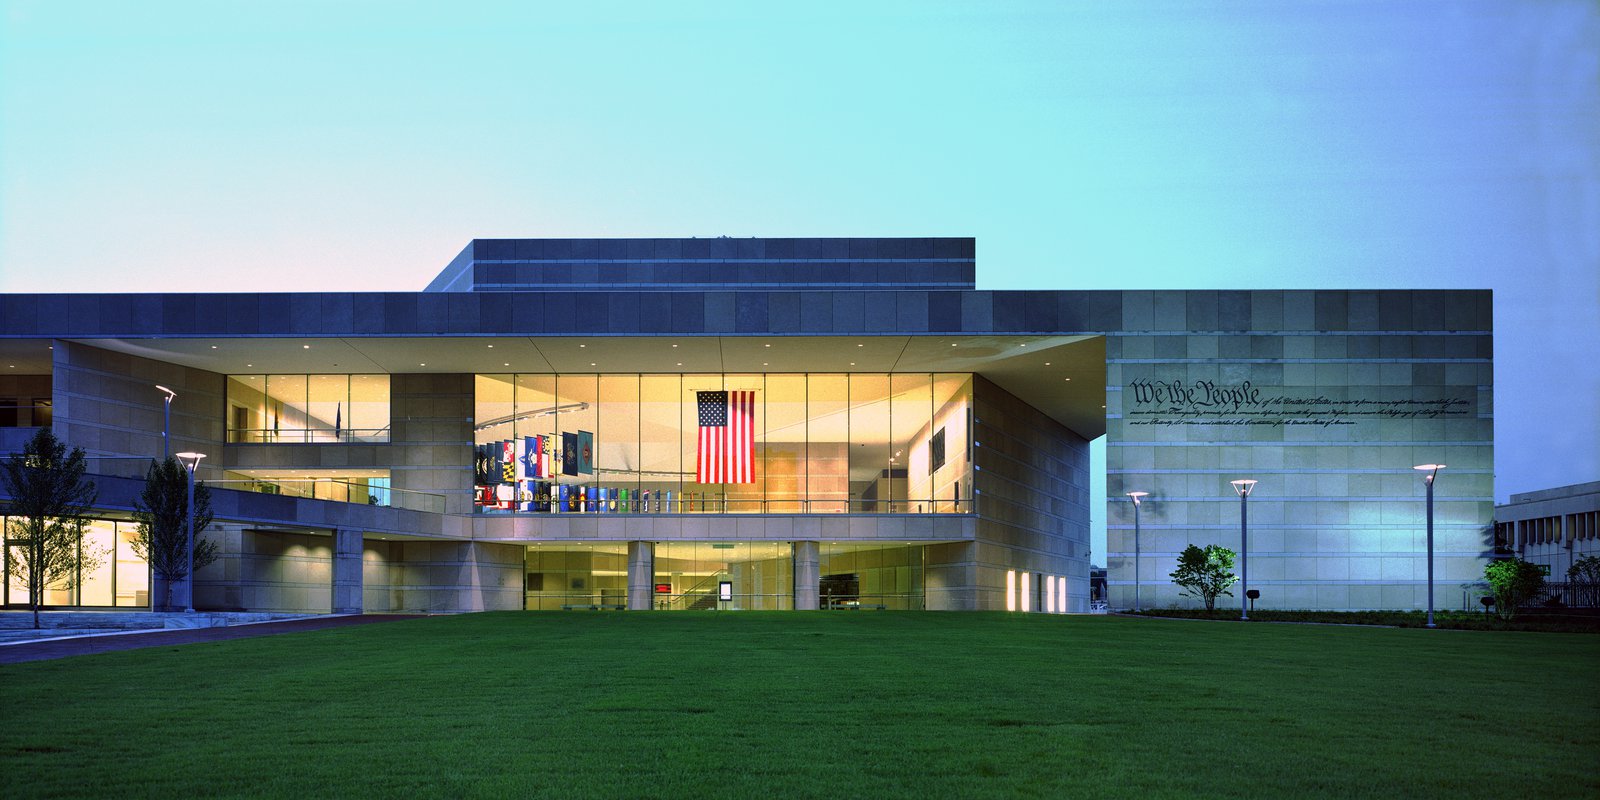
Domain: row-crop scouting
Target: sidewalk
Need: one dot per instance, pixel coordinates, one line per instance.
(106, 643)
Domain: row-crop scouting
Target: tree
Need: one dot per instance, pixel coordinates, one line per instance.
(1205, 573)
(162, 511)
(1583, 579)
(1514, 581)
(49, 501)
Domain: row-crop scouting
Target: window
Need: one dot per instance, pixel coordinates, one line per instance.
(308, 409)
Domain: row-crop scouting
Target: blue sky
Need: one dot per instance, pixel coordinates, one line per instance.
(293, 146)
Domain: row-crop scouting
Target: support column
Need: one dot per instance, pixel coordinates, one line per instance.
(641, 576)
(807, 575)
(347, 571)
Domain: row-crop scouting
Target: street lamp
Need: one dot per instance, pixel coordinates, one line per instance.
(1134, 496)
(191, 462)
(166, 424)
(1432, 471)
(1243, 487)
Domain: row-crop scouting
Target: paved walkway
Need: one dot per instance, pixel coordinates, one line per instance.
(106, 643)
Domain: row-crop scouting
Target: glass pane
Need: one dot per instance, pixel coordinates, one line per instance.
(536, 430)
(247, 408)
(133, 574)
(287, 419)
(870, 485)
(368, 416)
(910, 424)
(327, 402)
(577, 418)
(617, 441)
(784, 446)
(494, 427)
(697, 496)
(827, 439)
(99, 539)
(746, 423)
(950, 445)
(660, 451)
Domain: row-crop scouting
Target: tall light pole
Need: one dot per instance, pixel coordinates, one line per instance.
(1243, 487)
(1134, 496)
(192, 462)
(166, 423)
(1432, 471)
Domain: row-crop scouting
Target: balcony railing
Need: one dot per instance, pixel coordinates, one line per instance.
(696, 505)
(339, 492)
(308, 435)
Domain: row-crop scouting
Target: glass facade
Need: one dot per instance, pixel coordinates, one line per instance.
(118, 578)
(870, 575)
(688, 576)
(301, 409)
(723, 443)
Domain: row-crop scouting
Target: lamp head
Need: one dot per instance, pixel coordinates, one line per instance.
(170, 394)
(1431, 469)
(1137, 496)
(1243, 486)
(193, 460)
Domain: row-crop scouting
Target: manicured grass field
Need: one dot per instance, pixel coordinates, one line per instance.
(838, 705)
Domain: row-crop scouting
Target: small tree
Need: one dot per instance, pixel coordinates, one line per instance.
(1514, 581)
(1205, 573)
(162, 511)
(49, 501)
(1583, 579)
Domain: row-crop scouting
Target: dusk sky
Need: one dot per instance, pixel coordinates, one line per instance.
(315, 146)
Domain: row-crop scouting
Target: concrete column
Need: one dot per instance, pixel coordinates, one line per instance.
(807, 575)
(641, 576)
(346, 571)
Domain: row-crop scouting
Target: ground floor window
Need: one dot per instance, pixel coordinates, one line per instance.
(118, 578)
(692, 576)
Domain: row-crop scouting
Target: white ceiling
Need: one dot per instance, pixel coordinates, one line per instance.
(1035, 368)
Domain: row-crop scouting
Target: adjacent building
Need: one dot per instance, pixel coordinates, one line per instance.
(766, 424)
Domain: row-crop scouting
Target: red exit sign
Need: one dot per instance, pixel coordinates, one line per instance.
(663, 588)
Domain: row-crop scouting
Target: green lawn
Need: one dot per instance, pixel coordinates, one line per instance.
(839, 705)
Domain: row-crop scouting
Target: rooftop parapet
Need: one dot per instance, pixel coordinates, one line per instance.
(721, 263)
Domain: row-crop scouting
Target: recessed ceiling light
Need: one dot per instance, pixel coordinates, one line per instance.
(852, 363)
(507, 364)
(1066, 379)
(583, 345)
(766, 345)
(674, 345)
(491, 347)
(1047, 363)
(213, 347)
(680, 363)
(249, 365)
(1024, 344)
(305, 347)
(422, 365)
(952, 344)
(860, 345)
(763, 363)
(591, 363)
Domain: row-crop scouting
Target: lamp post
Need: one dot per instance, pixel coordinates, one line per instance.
(1243, 487)
(1432, 471)
(1134, 496)
(166, 423)
(192, 462)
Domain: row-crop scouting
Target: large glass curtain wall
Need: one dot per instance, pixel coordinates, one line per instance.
(116, 577)
(301, 409)
(630, 443)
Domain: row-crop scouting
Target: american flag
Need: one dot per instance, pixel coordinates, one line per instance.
(727, 437)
